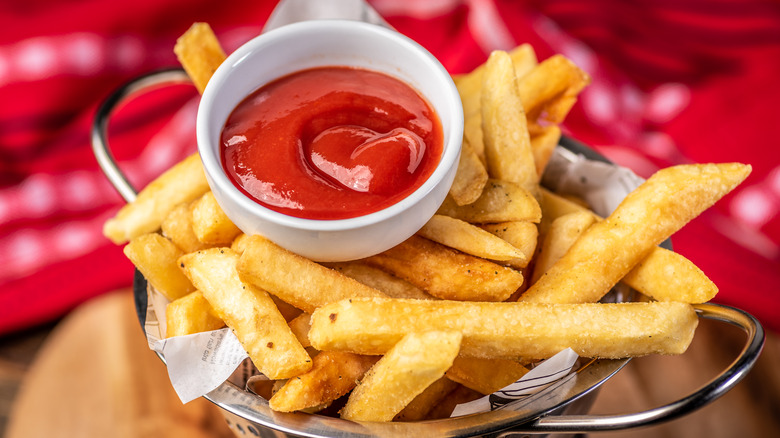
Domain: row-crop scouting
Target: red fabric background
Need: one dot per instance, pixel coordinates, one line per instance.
(674, 82)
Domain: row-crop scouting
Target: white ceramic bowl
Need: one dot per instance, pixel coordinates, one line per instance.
(311, 44)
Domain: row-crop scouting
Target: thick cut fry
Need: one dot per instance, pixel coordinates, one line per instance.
(608, 250)
(419, 408)
(552, 87)
(200, 53)
(210, 224)
(446, 273)
(300, 326)
(470, 178)
(563, 232)
(522, 235)
(238, 243)
(472, 133)
(501, 201)
(380, 280)
(413, 364)
(504, 127)
(508, 330)
(177, 227)
(470, 85)
(689, 283)
(249, 311)
(542, 146)
(190, 314)
(667, 276)
(468, 238)
(295, 279)
(181, 183)
(485, 375)
(156, 257)
(332, 375)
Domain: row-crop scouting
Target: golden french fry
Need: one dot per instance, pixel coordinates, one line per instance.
(508, 330)
(413, 364)
(210, 224)
(181, 183)
(522, 235)
(552, 87)
(470, 85)
(504, 127)
(249, 311)
(501, 201)
(238, 243)
(609, 249)
(200, 53)
(288, 311)
(688, 284)
(332, 375)
(542, 146)
(295, 279)
(668, 276)
(469, 239)
(472, 133)
(177, 226)
(470, 89)
(419, 408)
(485, 375)
(190, 314)
(563, 232)
(156, 258)
(446, 273)
(300, 326)
(380, 280)
(470, 178)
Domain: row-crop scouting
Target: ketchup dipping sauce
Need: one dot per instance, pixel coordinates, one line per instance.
(335, 139)
(331, 143)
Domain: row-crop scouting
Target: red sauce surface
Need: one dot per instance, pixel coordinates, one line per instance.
(331, 143)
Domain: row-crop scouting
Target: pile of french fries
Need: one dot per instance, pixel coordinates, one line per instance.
(505, 274)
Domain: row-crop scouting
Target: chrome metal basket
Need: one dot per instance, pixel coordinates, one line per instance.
(560, 408)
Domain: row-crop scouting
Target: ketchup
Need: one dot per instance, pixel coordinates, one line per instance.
(331, 143)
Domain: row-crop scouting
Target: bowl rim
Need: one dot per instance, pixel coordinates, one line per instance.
(450, 149)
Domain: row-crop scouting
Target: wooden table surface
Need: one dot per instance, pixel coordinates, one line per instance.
(17, 353)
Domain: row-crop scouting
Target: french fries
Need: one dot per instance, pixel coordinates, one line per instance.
(485, 375)
(508, 330)
(332, 375)
(190, 314)
(295, 279)
(177, 227)
(447, 274)
(157, 259)
(183, 182)
(423, 326)
(411, 365)
(470, 178)
(249, 311)
(468, 238)
(504, 126)
(608, 250)
(380, 280)
(500, 201)
(200, 53)
(210, 224)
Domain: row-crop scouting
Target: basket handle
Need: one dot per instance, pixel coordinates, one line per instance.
(99, 133)
(705, 394)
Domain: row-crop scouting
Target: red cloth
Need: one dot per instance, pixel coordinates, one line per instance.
(673, 82)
